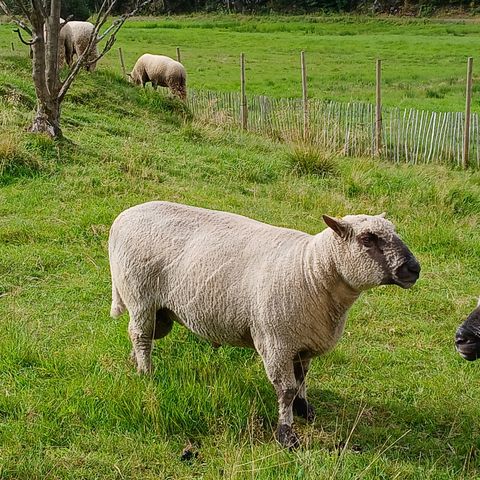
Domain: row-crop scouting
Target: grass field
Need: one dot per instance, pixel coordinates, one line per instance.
(424, 61)
(394, 400)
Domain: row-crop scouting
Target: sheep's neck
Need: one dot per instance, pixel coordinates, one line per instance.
(336, 295)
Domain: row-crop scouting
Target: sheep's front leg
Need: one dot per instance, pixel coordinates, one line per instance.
(300, 405)
(280, 372)
(140, 330)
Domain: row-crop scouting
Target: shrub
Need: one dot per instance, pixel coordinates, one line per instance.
(310, 160)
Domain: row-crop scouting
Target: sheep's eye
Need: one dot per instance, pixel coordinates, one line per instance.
(368, 239)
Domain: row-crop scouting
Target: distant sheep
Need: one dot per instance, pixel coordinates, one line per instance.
(233, 280)
(160, 70)
(81, 33)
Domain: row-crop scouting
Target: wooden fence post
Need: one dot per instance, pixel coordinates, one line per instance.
(378, 109)
(178, 55)
(468, 102)
(304, 96)
(243, 105)
(122, 62)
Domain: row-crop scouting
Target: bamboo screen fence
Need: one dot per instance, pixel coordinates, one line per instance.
(408, 135)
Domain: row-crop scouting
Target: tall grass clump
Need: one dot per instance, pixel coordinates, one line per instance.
(311, 160)
(16, 160)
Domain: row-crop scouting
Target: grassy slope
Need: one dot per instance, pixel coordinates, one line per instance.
(71, 405)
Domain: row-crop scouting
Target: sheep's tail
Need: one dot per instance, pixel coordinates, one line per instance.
(118, 307)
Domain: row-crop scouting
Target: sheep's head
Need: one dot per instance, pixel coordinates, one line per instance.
(467, 338)
(131, 78)
(369, 252)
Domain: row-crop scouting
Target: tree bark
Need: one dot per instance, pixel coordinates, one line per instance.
(45, 68)
(47, 118)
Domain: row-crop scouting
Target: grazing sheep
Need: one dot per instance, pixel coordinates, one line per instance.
(233, 280)
(81, 32)
(467, 338)
(160, 70)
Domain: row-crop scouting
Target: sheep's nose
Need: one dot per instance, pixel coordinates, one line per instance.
(413, 265)
(467, 344)
(460, 337)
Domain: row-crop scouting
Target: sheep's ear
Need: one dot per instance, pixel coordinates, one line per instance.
(382, 215)
(341, 228)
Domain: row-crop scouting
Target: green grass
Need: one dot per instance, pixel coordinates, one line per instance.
(424, 61)
(394, 400)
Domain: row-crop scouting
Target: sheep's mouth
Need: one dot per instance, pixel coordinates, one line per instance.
(405, 282)
(407, 274)
(469, 351)
(467, 344)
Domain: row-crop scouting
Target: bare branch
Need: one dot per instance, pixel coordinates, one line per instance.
(5, 9)
(115, 26)
(14, 18)
(25, 42)
(106, 48)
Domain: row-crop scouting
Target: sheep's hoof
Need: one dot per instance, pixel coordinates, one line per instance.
(303, 409)
(287, 438)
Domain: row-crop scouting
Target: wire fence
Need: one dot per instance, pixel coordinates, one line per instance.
(408, 135)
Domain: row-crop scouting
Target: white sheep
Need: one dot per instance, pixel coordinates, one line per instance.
(81, 32)
(233, 280)
(160, 70)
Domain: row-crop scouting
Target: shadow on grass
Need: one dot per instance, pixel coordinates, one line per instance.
(397, 430)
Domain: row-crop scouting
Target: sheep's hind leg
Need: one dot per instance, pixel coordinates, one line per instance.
(163, 323)
(300, 405)
(281, 374)
(141, 332)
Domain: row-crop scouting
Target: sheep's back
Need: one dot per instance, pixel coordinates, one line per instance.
(215, 270)
(161, 67)
(81, 32)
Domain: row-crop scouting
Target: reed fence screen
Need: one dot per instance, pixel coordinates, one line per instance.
(408, 135)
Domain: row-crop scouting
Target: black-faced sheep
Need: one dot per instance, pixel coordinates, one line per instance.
(81, 32)
(233, 280)
(160, 70)
(467, 338)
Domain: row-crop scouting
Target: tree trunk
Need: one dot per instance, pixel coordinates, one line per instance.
(47, 118)
(45, 69)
